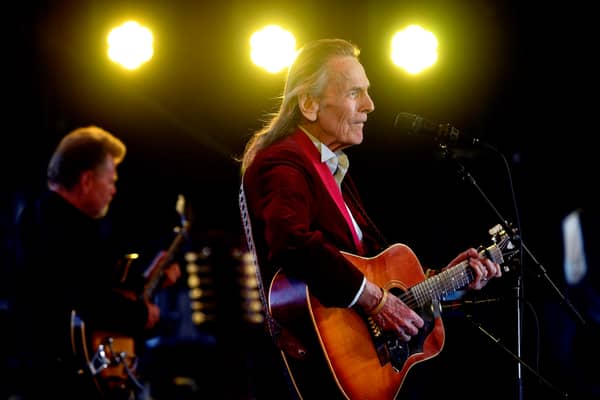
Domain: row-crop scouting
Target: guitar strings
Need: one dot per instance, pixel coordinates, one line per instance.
(455, 278)
(433, 288)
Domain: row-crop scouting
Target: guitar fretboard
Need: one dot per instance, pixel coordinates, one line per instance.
(442, 284)
(450, 280)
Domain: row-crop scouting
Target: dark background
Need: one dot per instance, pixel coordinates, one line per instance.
(519, 76)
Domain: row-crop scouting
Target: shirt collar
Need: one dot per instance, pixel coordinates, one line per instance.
(333, 160)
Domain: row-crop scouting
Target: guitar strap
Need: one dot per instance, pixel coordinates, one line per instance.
(273, 327)
(282, 337)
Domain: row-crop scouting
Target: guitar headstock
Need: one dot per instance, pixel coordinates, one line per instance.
(180, 205)
(502, 250)
(184, 210)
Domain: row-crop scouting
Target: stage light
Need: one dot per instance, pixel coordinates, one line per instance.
(414, 49)
(273, 48)
(130, 45)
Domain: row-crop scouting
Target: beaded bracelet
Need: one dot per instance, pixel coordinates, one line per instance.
(379, 305)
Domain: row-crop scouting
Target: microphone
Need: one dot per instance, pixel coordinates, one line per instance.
(443, 133)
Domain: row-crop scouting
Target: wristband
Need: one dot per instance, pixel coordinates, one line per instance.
(379, 305)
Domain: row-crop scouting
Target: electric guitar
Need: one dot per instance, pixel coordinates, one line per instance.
(108, 357)
(340, 353)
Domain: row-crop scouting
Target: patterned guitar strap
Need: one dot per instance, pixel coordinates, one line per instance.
(282, 338)
(273, 327)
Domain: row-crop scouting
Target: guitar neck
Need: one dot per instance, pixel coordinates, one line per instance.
(442, 284)
(450, 280)
(156, 275)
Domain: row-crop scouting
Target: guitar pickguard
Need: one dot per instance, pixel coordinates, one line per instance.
(390, 349)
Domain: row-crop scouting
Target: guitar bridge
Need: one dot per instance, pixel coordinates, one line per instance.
(379, 341)
(390, 349)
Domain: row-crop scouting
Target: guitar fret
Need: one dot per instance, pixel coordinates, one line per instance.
(441, 284)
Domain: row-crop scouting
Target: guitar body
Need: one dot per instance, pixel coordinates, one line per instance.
(107, 358)
(342, 355)
(116, 378)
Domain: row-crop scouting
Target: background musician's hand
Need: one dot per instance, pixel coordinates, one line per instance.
(171, 273)
(153, 315)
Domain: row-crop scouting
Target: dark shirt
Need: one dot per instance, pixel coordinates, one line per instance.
(66, 261)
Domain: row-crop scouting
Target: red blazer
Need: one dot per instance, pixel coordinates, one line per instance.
(298, 226)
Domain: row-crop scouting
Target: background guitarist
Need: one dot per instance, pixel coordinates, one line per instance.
(304, 207)
(67, 259)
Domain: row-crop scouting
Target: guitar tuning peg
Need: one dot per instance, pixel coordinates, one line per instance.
(495, 229)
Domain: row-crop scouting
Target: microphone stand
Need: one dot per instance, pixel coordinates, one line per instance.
(518, 288)
(516, 357)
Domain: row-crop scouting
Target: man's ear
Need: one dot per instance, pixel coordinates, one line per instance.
(308, 106)
(86, 180)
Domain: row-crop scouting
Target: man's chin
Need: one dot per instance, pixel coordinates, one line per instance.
(358, 138)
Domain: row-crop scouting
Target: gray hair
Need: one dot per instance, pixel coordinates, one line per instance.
(307, 75)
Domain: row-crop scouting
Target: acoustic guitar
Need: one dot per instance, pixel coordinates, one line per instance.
(340, 353)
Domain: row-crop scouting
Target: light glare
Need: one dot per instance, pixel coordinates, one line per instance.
(273, 48)
(414, 49)
(130, 45)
